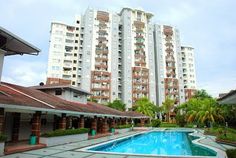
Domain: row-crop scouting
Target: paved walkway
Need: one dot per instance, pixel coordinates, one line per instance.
(72, 150)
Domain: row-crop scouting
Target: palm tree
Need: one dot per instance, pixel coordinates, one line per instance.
(207, 112)
(144, 106)
(168, 105)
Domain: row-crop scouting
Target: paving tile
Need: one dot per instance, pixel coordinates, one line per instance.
(63, 147)
(71, 154)
(135, 156)
(49, 157)
(106, 156)
(21, 155)
(43, 152)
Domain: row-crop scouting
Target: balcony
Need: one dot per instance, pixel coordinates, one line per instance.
(101, 97)
(101, 58)
(100, 89)
(102, 51)
(101, 66)
(100, 38)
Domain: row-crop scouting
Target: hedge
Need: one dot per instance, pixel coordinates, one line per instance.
(155, 123)
(123, 126)
(164, 124)
(3, 138)
(65, 132)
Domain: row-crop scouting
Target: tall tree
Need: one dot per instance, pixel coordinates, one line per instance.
(201, 94)
(168, 105)
(117, 104)
(144, 106)
(204, 111)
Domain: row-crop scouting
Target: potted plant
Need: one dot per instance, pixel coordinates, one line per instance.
(32, 140)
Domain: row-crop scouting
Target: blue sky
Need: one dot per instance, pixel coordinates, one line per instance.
(208, 26)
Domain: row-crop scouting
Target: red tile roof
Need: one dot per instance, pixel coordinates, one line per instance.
(135, 114)
(11, 94)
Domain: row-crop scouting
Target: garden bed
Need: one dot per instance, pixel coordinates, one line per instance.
(225, 136)
(222, 141)
(123, 128)
(59, 137)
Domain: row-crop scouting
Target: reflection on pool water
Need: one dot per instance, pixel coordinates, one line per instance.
(157, 143)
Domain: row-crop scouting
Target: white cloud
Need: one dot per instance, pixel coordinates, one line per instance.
(24, 73)
(220, 84)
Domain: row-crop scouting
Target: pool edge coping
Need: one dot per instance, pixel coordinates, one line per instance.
(219, 152)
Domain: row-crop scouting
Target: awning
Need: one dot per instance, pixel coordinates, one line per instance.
(13, 44)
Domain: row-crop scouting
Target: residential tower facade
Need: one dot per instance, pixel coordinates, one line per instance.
(118, 56)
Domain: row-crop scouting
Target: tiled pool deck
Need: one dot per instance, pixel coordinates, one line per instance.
(72, 150)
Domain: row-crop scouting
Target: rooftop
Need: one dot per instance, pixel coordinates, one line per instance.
(229, 98)
(13, 44)
(30, 99)
(60, 86)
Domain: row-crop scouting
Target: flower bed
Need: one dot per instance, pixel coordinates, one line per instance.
(64, 136)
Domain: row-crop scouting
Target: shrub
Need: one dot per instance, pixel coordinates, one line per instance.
(148, 125)
(3, 138)
(156, 123)
(163, 124)
(220, 130)
(65, 132)
(123, 126)
(180, 120)
(231, 153)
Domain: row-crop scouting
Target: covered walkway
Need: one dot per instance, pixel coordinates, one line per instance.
(26, 111)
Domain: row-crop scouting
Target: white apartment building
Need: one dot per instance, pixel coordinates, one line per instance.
(189, 72)
(117, 56)
(168, 66)
(137, 57)
(64, 61)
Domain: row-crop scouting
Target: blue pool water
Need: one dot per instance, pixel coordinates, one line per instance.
(157, 143)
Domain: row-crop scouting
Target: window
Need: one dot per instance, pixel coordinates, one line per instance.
(68, 48)
(77, 28)
(69, 41)
(77, 21)
(74, 68)
(73, 83)
(76, 48)
(58, 92)
(74, 75)
(76, 41)
(69, 34)
(75, 61)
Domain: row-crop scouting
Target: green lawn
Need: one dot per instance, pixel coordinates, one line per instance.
(220, 133)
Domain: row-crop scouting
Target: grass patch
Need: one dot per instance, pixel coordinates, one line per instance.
(57, 133)
(123, 126)
(228, 134)
(165, 124)
(231, 153)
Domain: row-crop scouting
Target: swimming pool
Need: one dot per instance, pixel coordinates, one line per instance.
(156, 143)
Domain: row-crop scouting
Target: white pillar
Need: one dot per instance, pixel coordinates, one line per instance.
(2, 53)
